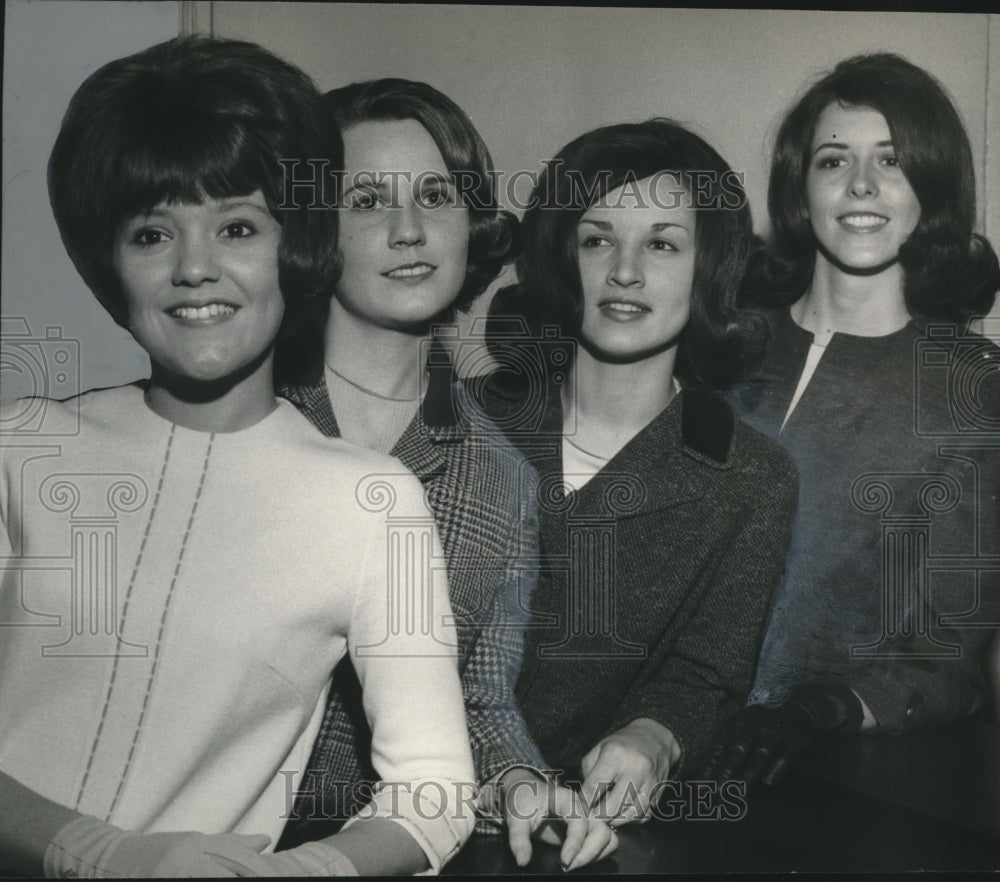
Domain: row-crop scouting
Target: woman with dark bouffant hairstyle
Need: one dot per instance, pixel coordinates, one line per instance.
(422, 237)
(218, 555)
(664, 519)
(869, 278)
(720, 343)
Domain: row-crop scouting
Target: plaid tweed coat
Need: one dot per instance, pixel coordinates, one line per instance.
(483, 496)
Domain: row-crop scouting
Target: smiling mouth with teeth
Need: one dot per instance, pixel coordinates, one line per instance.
(622, 306)
(209, 310)
(410, 272)
(864, 221)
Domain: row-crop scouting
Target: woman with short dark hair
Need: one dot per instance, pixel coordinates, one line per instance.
(877, 388)
(721, 342)
(222, 555)
(664, 519)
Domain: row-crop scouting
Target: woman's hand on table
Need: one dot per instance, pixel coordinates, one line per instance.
(534, 807)
(622, 770)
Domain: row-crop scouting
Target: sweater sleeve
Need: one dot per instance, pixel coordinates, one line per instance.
(912, 684)
(403, 645)
(707, 671)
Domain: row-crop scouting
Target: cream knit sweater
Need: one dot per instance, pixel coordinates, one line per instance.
(172, 605)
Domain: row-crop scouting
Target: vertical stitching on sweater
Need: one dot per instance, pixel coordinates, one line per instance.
(124, 615)
(162, 628)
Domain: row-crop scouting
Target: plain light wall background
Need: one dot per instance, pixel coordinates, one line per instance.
(49, 49)
(530, 78)
(533, 78)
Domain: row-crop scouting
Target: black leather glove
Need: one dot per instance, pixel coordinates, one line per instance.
(759, 743)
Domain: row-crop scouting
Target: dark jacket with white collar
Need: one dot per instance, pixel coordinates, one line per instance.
(658, 572)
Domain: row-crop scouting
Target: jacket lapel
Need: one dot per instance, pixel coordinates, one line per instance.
(313, 400)
(421, 447)
(668, 462)
(664, 465)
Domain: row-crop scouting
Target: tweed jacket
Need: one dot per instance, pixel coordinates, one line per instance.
(658, 574)
(482, 494)
(893, 576)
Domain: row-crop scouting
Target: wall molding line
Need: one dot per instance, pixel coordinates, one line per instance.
(196, 17)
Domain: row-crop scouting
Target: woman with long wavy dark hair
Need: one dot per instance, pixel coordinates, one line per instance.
(876, 386)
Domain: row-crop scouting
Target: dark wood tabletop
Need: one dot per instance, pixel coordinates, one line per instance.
(927, 800)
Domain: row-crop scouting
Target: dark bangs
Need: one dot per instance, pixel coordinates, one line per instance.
(206, 159)
(186, 120)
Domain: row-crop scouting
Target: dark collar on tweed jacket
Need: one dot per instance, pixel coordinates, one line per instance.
(707, 421)
(707, 424)
(671, 462)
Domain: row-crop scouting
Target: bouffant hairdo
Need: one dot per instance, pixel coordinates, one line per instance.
(191, 119)
(721, 342)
